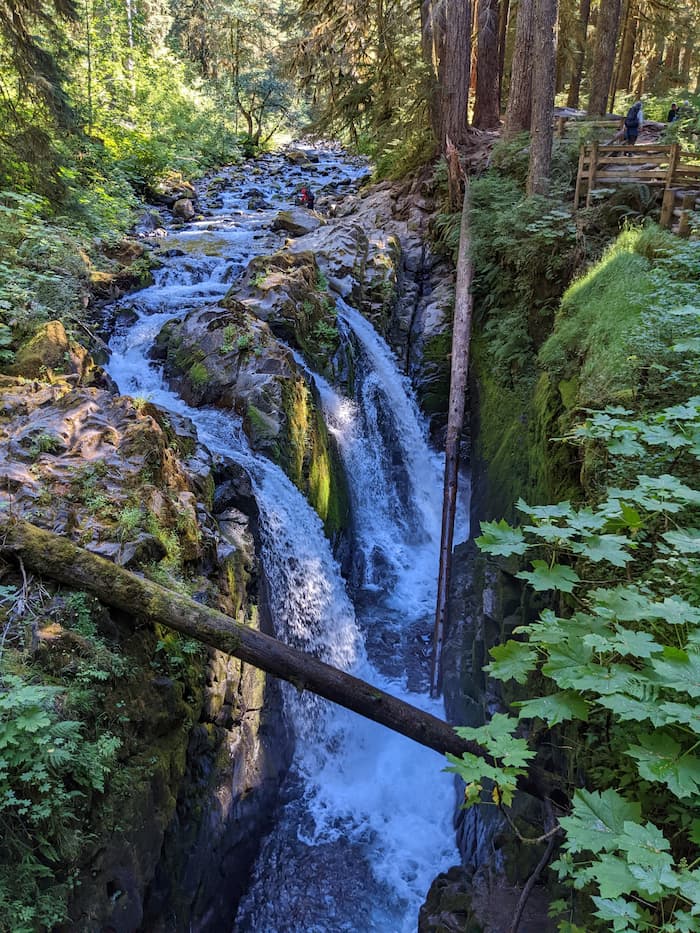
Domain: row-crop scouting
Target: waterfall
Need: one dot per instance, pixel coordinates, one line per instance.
(365, 820)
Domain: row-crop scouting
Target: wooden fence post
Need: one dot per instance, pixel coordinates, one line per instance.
(687, 206)
(667, 206)
(592, 170)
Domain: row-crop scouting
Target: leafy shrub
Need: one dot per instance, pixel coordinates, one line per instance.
(48, 771)
(619, 664)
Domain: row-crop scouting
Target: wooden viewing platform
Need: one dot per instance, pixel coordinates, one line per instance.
(652, 164)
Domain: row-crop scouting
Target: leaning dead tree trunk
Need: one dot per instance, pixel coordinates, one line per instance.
(53, 556)
(461, 334)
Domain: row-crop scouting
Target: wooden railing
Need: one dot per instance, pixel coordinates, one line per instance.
(651, 164)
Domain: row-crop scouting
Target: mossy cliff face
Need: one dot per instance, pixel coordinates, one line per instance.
(201, 742)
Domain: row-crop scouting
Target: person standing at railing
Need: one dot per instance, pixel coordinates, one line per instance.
(634, 121)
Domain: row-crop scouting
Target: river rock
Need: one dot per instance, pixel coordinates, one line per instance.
(183, 208)
(50, 350)
(297, 221)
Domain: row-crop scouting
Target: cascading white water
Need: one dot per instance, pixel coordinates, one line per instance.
(366, 822)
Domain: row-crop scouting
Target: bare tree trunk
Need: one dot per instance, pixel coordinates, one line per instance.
(487, 99)
(503, 12)
(673, 61)
(520, 93)
(432, 42)
(629, 40)
(543, 81)
(580, 57)
(454, 71)
(461, 338)
(604, 56)
(687, 59)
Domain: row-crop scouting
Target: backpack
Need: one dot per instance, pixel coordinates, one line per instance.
(632, 118)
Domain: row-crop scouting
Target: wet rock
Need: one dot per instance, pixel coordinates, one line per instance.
(448, 906)
(297, 221)
(183, 209)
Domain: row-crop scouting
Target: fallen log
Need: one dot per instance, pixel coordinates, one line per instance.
(53, 556)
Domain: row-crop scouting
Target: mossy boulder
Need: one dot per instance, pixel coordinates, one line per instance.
(50, 351)
(287, 291)
(227, 357)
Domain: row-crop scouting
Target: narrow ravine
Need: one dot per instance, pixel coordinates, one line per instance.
(365, 821)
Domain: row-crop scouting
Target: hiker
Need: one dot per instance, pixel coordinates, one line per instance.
(633, 122)
(306, 197)
(673, 113)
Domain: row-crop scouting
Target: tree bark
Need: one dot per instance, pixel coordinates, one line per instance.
(686, 60)
(604, 56)
(461, 338)
(543, 81)
(503, 12)
(454, 71)
(580, 55)
(487, 99)
(53, 556)
(629, 41)
(518, 111)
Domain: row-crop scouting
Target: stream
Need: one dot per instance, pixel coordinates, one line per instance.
(365, 818)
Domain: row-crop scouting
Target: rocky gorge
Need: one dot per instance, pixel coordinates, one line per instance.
(130, 477)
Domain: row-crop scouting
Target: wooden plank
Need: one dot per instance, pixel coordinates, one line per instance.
(579, 175)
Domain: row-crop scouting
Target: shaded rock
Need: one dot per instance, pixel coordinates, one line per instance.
(448, 906)
(170, 189)
(297, 221)
(183, 208)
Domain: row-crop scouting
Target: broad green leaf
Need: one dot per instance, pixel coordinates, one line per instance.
(638, 644)
(496, 736)
(597, 820)
(623, 445)
(611, 548)
(612, 875)
(660, 435)
(681, 713)
(616, 909)
(630, 710)
(678, 670)
(544, 512)
(605, 679)
(544, 577)
(654, 881)
(645, 845)
(512, 661)
(686, 541)
(568, 662)
(555, 708)
(500, 539)
(550, 532)
(659, 758)
(586, 521)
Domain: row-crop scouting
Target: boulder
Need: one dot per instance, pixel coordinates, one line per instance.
(50, 350)
(297, 221)
(184, 209)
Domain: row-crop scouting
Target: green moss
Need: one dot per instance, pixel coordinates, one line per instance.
(198, 374)
(596, 330)
(309, 458)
